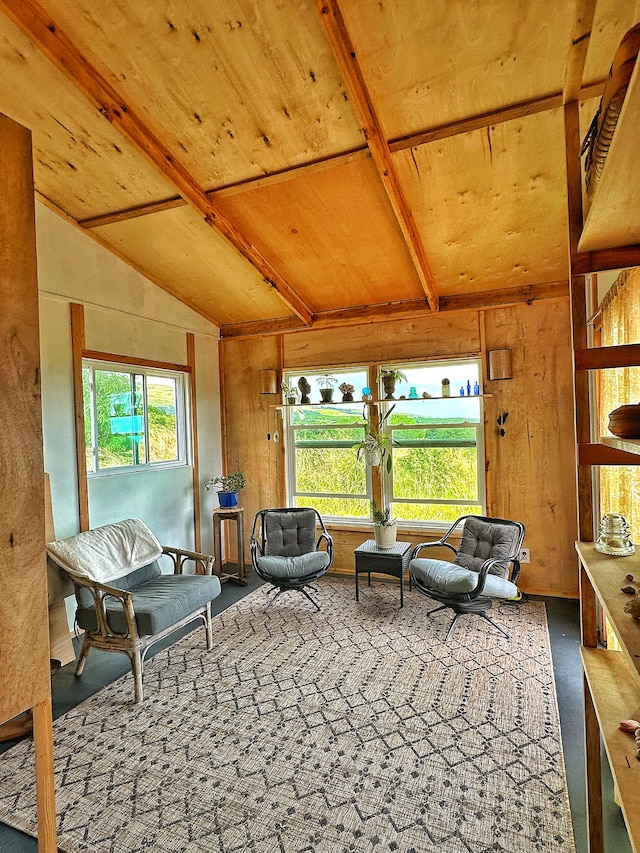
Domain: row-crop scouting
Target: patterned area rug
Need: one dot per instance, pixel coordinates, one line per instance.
(352, 729)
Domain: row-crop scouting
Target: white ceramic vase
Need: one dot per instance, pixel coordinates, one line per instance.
(385, 536)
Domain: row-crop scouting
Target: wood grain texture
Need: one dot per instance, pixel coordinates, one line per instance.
(475, 211)
(347, 59)
(24, 638)
(193, 403)
(24, 635)
(249, 420)
(51, 39)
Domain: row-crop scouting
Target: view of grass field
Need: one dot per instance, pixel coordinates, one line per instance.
(119, 419)
(433, 460)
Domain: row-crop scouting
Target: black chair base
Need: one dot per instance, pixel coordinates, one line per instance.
(301, 589)
(479, 606)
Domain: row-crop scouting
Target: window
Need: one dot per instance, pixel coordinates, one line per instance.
(133, 417)
(437, 469)
(435, 445)
(321, 458)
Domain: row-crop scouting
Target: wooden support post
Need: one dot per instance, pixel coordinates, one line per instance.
(77, 348)
(193, 398)
(24, 633)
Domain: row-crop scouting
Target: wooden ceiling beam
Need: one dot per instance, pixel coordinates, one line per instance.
(412, 140)
(605, 259)
(406, 309)
(38, 26)
(345, 55)
(580, 36)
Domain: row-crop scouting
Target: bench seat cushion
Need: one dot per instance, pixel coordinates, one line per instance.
(159, 603)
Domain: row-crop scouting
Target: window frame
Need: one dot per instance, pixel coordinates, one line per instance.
(183, 430)
(379, 480)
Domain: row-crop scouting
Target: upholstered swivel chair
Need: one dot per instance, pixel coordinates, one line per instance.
(486, 566)
(286, 552)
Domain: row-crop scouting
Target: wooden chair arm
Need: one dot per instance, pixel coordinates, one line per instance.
(100, 593)
(180, 556)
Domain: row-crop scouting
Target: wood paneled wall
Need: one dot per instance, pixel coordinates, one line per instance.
(530, 472)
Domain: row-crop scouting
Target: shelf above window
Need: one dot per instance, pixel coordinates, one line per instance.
(317, 404)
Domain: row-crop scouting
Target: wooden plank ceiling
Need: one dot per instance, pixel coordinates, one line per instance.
(277, 164)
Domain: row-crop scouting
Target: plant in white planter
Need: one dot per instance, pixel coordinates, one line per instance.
(376, 446)
(385, 527)
(227, 486)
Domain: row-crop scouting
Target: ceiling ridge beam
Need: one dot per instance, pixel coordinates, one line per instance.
(43, 31)
(345, 55)
(384, 311)
(412, 140)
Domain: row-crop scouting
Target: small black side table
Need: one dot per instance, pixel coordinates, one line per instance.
(388, 561)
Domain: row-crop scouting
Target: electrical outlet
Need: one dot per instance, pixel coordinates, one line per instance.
(525, 555)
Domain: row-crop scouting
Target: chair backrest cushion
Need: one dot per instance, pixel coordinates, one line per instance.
(483, 540)
(126, 582)
(289, 534)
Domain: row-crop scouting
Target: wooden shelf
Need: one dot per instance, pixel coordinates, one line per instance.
(317, 404)
(612, 219)
(629, 445)
(615, 698)
(607, 577)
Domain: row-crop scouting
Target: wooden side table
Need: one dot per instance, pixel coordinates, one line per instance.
(386, 561)
(236, 514)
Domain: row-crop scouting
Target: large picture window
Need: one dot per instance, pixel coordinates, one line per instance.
(433, 470)
(133, 417)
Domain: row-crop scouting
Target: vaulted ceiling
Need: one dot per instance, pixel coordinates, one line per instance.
(282, 163)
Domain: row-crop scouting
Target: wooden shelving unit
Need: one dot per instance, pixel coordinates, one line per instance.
(610, 221)
(612, 685)
(607, 239)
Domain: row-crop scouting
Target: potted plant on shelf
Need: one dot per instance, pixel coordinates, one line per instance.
(289, 392)
(389, 377)
(375, 446)
(385, 527)
(227, 486)
(326, 383)
(347, 390)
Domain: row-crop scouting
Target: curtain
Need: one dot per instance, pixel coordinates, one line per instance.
(620, 317)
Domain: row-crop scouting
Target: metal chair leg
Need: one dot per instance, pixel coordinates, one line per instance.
(306, 594)
(495, 625)
(455, 619)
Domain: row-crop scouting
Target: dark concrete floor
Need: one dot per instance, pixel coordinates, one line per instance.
(564, 626)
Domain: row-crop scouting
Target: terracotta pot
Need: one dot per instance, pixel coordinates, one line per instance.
(625, 421)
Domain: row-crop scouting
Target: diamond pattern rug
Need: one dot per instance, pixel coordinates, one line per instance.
(352, 729)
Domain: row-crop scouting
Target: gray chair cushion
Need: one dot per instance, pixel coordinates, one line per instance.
(159, 602)
(294, 567)
(289, 534)
(481, 540)
(84, 598)
(453, 579)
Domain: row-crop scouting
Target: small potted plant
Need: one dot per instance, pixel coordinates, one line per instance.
(375, 447)
(347, 390)
(227, 486)
(326, 383)
(389, 377)
(385, 527)
(289, 392)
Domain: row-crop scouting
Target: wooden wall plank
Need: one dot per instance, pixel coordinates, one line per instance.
(24, 635)
(249, 417)
(455, 334)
